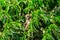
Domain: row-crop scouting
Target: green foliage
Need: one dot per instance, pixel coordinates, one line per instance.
(44, 24)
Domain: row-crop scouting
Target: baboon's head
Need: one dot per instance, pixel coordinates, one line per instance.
(28, 16)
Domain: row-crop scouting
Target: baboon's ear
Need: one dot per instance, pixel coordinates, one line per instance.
(30, 14)
(26, 15)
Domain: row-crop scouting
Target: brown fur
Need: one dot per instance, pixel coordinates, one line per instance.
(28, 18)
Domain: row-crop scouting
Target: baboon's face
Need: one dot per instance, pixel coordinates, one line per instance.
(28, 17)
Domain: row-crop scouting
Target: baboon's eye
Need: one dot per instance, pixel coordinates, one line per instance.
(27, 16)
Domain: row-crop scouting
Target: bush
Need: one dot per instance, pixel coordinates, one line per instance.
(29, 19)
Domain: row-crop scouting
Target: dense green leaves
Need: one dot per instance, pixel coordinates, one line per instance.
(44, 23)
